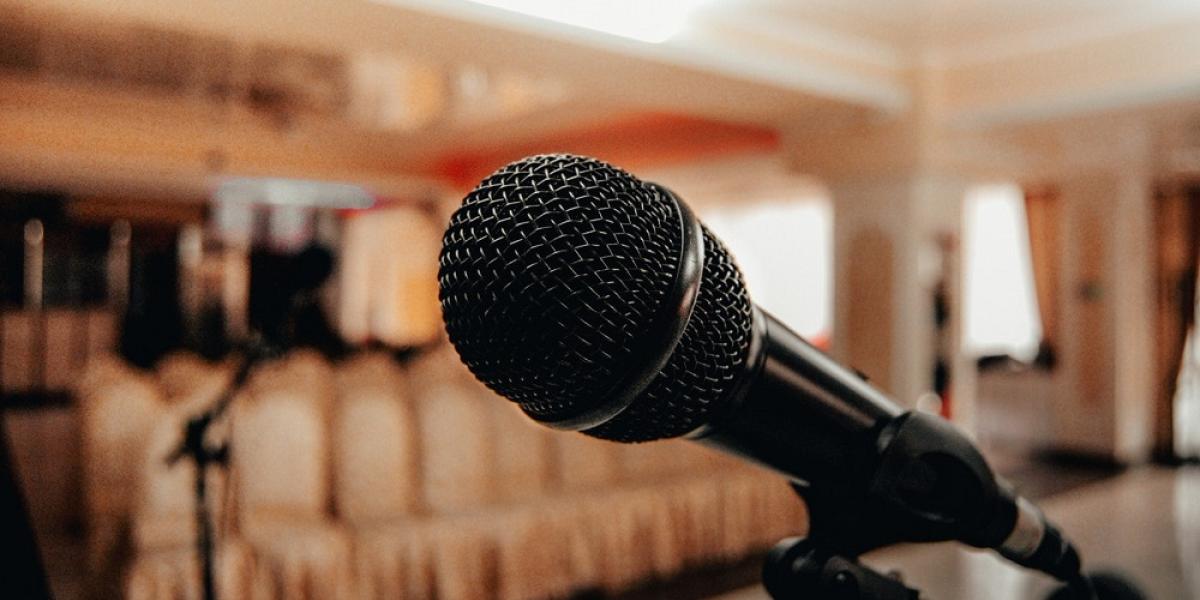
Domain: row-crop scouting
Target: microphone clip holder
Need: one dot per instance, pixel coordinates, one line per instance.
(800, 568)
(926, 483)
(825, 563)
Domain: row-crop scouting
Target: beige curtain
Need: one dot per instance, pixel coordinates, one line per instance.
(1042, 210)
(1177, 227)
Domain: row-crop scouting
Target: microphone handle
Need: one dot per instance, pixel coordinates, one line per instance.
(798, 412)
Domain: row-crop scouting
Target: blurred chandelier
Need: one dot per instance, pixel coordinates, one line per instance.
(651, 21)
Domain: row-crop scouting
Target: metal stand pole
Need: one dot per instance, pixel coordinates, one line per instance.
(202, 456)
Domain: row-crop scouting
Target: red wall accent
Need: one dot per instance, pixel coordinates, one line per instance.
(635, 141)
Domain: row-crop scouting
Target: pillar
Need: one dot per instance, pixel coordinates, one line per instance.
(895, 237)
(1106, 387)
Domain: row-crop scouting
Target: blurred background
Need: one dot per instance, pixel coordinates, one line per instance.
(990, 207)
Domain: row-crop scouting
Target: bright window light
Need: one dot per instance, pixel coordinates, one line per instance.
(785, 252)
(646, 20)
(292, 192)
(1000, 311)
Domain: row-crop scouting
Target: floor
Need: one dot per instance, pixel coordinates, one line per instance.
(1143, 523)
(1041, 475)
(1037, 475)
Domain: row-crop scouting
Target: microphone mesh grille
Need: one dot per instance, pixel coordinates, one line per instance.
(551, 272)
(706, 362)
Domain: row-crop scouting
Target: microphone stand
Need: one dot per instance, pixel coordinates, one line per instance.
(203, 456)
(825, 563)
(911, 498)
(799, 567)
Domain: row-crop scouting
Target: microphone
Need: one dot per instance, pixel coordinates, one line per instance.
(599, 303)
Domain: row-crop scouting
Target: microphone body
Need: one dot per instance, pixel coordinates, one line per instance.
(798, 412)
(600, 304)
(872, 473)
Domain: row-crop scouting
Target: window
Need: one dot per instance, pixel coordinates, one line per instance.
(785, 252)
(1000, 302)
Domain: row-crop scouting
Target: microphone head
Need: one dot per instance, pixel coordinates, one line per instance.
(552, 271)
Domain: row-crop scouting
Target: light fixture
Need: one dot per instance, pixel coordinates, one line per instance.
(646, 20)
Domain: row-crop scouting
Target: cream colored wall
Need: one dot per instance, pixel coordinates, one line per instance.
(903, 176)
(1083, 408)
(1105, 385)
(1099, 398)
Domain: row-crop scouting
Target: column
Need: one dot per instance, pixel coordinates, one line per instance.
(1107, 382)
(895, 236)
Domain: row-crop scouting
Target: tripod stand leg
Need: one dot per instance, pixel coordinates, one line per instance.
(204, 535)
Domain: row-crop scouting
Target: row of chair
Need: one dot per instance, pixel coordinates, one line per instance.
(368, 480)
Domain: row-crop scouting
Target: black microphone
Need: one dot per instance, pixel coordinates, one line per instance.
(599, 303)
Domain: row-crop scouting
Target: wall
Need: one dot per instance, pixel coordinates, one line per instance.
(1082, 408)
(1104, 386)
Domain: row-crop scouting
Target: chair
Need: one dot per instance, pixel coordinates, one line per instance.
(693, 514)
(630, 536)
(374, 443)
(757, 510)
(174, 575)
(280, 451)
(448, 551)
(523, 469)
(191, 382)
(163, 515)
(119, 407)
(461, 553)
(165, 565)
(457, 463)
(395, 560)
(586, 464)
(376, 485)
(535, 552)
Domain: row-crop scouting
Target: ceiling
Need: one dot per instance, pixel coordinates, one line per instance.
(450, 81)
(991, 60)
(761, 61)
(954, 30)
